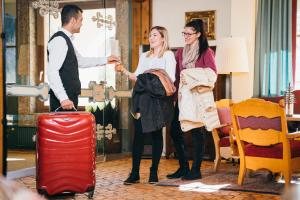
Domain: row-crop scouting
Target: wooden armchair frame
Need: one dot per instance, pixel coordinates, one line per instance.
(285, 164)
(224, 103)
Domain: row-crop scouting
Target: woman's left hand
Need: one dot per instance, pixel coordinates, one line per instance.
(182, 79)
(201, 89)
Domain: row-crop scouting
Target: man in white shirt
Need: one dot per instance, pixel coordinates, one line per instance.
(64, 60)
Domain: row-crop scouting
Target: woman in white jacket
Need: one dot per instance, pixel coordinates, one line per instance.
(195, 54)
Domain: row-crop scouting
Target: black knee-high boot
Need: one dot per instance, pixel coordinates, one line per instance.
(198, 151)
(157, 147)
(179, 144)
(137, 150)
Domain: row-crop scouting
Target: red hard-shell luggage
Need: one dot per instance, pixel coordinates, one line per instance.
(65, 158)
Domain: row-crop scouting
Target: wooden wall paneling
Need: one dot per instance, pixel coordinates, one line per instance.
(40, 59)
(146, 21)
(141, 24)
(220, 87)
(136, 33)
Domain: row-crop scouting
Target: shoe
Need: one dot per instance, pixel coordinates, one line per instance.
(153, 178)
(133, 178)
(192, 175)
(179, 173)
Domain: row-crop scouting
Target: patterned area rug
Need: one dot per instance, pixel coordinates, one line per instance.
(226, 179)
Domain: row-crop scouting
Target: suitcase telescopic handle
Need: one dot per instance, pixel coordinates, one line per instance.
(56, 110)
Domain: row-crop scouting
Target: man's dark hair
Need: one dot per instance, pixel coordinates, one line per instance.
(68, 12)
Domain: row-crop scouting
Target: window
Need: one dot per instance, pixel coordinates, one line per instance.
(10, 51)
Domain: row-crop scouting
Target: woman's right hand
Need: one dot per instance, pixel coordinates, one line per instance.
(182, 79)
(120, 68)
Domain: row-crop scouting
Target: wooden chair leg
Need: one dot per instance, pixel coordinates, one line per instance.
(217, 162)
(287, 177)
(217, 149)
(242, 172)
(278, 176)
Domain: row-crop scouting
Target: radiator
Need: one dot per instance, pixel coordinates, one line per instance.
(20, 137)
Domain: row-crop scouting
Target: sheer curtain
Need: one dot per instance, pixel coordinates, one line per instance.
(273, 47)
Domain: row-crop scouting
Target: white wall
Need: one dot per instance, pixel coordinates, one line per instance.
(171, 14)
(233, 18)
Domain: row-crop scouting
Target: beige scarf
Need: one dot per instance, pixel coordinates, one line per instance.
(190, 55)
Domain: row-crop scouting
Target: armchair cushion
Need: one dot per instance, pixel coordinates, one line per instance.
(224, 142)
(274, 151)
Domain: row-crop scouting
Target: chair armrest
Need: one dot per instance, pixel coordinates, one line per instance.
(293, 135)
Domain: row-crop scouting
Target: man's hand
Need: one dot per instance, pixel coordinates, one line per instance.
(113, 59)
(67, 104)
(119, 68)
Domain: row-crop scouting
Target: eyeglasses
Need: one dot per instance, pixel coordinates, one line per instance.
(188, 34)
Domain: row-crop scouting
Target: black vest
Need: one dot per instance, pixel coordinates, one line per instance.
(69, 71)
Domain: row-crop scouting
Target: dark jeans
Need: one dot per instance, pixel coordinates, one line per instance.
(178, 139)
(138, 147)
(179, 143)
(198, 147)
(55, 103)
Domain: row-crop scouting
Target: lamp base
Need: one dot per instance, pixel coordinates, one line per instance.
(228, 86)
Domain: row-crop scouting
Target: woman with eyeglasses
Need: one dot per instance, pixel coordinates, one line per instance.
(196, 53)
(149, 99)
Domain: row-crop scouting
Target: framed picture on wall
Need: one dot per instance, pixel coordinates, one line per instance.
(208, 18)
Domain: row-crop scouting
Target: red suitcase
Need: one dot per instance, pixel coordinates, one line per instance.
(66, 153)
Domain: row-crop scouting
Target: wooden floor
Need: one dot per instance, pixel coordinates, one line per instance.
(18, 159)
(111, 174)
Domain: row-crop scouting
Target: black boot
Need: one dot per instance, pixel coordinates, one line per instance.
(192, 175)
(153, 178)
(182, 171)
(198, 150)
(133, 178)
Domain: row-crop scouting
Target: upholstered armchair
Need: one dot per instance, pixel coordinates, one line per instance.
(224, 139)
(263, 139)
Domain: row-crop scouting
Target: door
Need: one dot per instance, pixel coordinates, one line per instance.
(105, 31)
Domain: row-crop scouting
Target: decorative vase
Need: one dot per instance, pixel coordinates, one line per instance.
(289, 101)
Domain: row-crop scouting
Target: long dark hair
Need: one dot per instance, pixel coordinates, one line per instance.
(198, 26)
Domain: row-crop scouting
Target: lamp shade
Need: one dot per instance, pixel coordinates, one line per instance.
(231, 55)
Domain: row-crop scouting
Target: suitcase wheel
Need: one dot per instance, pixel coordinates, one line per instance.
(91, 194)
(42, 192)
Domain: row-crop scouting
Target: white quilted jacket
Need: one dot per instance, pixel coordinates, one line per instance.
(197, 109)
